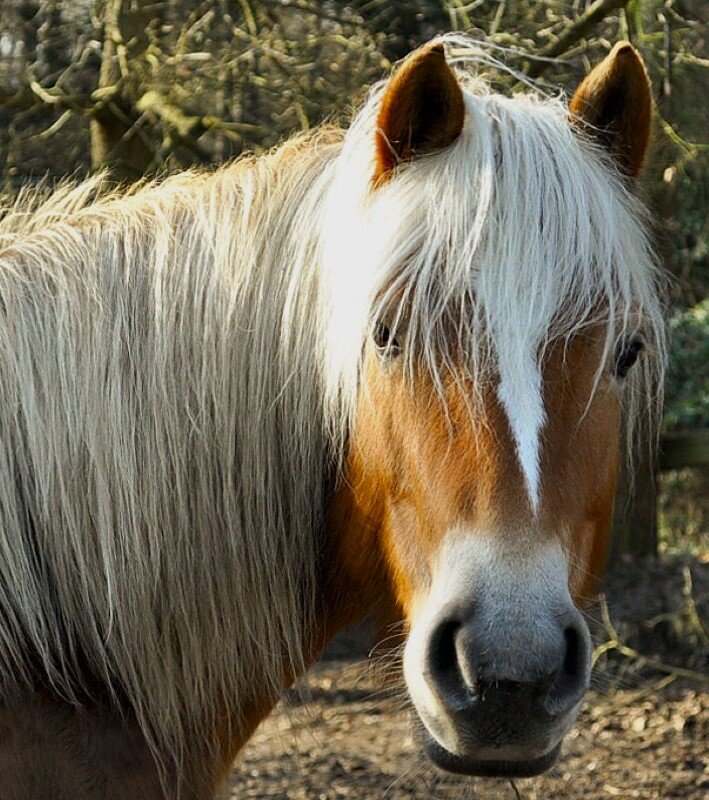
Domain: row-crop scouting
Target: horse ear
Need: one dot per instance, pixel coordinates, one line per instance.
(422, 110)
(613, 104)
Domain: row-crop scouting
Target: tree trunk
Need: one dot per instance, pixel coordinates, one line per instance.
(635, 512)
(117, 142)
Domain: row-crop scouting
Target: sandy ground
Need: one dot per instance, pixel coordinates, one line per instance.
(644, 731)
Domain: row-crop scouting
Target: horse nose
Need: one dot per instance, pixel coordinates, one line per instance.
(543, 673)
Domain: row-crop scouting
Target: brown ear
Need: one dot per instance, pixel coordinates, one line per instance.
(422, 110)
(613, 103)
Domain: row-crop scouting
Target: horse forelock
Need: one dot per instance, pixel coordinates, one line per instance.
(520, 234)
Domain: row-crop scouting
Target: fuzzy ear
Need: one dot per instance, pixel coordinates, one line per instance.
(613, 103)
(422, 110)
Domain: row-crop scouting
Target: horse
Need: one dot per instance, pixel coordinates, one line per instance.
(378, 372)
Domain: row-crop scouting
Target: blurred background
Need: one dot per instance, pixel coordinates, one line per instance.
(142, 88)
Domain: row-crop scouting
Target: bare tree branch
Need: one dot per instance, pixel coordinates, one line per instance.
(575, 32)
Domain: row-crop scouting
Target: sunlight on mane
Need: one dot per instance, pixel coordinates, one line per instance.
(520, 233)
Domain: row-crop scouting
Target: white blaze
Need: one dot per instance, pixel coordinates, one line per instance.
(520, 392)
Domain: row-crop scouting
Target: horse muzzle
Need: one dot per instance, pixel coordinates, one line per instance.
(497, 669)
(500, 712)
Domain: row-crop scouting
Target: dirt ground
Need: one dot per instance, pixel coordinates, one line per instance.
(644, 731)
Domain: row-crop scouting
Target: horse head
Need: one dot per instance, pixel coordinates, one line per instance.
(509, 292)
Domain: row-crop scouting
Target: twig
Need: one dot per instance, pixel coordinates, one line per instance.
(568, 37)
(614, 643)
(679, 140)
(635, 697)
(691, 606)
(56, 126)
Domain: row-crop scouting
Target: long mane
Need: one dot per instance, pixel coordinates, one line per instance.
(162, 443)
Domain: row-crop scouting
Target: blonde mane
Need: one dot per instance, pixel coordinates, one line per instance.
(162, 447)
(179, 366)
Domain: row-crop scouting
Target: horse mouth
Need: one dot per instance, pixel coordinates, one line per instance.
(464, 765)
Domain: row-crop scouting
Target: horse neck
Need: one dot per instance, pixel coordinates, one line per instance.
(214, 285)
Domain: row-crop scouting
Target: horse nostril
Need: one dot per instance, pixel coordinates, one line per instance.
(573, 652)
(572, 678)
(442, 668)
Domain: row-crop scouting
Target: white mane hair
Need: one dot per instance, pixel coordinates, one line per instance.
(180, 363)
(162, 443)
(520, 233)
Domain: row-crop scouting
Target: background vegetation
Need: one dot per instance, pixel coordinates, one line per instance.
(141, 87)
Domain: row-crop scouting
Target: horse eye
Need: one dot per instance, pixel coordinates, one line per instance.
(387, 344)
(627, 356)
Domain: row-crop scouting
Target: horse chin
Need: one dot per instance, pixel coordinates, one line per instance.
(487, 768)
